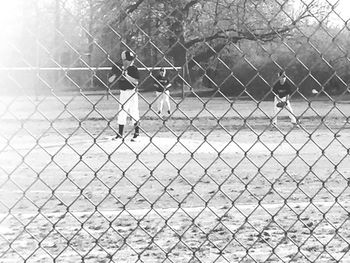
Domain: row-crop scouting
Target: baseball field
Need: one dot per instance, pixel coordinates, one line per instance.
(212, 182)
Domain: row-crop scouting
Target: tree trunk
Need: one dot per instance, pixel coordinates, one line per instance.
(176, 43)
(178, 54)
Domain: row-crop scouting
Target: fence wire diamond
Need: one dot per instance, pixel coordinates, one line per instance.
(218, 173)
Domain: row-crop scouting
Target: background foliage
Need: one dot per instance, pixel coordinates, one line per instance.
(235, 46)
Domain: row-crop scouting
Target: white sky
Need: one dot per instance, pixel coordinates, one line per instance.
(342, 8)
(10, 10)
(10, 13)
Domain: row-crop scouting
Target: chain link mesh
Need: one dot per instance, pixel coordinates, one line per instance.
(212, 181)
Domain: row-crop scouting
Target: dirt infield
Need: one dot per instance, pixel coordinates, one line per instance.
(212, 183)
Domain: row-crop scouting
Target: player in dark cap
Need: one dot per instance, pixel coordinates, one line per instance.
(162, 85)
(127, 84)
(282, 91)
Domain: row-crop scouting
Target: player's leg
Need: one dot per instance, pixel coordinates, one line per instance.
(161, 102)
(167, 100)
(135, 114)
(134, 107)
(122, 114)
(291, 113)
(276, 110)
(158, 100)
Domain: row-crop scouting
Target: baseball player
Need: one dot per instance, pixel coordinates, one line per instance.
(162, 84)
(282, 91)
(128, 101)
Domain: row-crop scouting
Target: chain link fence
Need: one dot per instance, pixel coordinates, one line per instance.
(215, 179)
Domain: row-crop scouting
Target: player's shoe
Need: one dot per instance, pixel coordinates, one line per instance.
(169, 112)
(159, 112)
(135, 137)
(118, 137)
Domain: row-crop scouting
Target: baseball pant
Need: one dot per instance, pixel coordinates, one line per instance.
(128, 106)
(277, 110)
(161, 97)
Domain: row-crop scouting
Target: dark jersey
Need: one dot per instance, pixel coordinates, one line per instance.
(161, 83)
(116, 70)
(123, 83)
(282, 90)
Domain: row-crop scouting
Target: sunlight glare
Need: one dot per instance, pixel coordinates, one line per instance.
(10, 21)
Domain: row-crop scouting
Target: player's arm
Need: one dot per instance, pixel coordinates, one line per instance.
(156, 82)
(289, 92)
(167, 84)
(286, 101)
(274, 91)
(114, 73)
(112, 78)
(132, 75)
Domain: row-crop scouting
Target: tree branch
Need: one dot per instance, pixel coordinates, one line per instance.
(189, 5)
(206, 54)
(130, 9)
(133, 7)
(240, 36)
